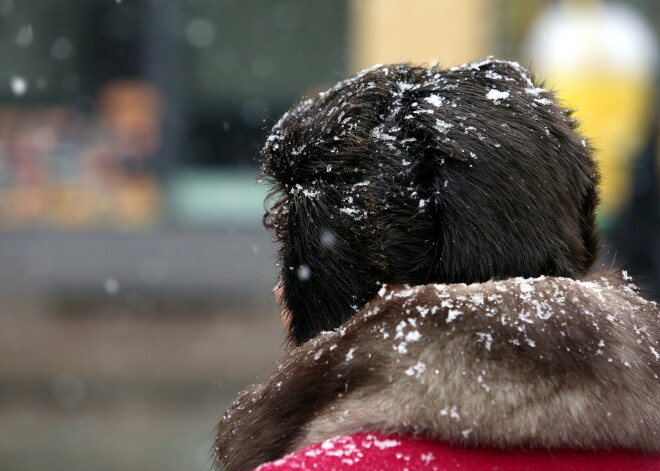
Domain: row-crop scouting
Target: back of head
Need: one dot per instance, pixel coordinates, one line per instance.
(418, 175)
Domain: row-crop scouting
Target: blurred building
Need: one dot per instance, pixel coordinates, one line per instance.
(146, 100)
(122, 114)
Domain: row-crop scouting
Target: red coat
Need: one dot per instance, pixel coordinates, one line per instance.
(374, 451)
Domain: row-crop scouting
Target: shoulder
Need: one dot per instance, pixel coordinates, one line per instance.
(537, 362)
(540, 363)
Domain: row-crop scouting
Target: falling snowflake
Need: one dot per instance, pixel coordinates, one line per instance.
(18, 85)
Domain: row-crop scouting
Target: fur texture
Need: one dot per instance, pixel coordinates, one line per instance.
(546, 362)
(417, 175)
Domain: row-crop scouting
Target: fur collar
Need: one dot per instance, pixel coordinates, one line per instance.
(544, 362)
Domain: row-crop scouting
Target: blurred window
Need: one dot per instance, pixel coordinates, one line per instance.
(127, 114)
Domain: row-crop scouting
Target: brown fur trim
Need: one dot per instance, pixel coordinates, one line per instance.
(544, 362)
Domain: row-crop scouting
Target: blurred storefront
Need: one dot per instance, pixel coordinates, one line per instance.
(117, 115)
(114, 114)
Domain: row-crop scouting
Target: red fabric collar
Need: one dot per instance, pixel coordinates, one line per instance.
(374, 451)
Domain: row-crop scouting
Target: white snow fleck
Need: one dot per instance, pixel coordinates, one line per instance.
(298, 188)
(442, 126)
(446, 302)
(655, 353)
(327, 445)
(349, 211)
(349, 355)
(413, 336)
(379, 133)
(536, 91)
(452, 314)
(451, 411)
(382, 290)
(384, 444)
(313, 453)
(423, 311)
(466, 433)
(399, 329)
(417, 369)
(496, 95)
(403, 86)
(486, 338)
(427, 458)
(543, 101)
(493, 75)
(482, 382)
(310, 193)
(435, 100)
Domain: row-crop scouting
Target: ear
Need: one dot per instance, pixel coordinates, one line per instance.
(325, 270)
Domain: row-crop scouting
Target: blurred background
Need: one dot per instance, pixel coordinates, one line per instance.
(135, 276)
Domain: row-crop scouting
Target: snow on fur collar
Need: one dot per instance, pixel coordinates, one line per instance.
(544, 362)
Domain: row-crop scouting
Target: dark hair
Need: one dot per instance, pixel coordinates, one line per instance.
(418, 175)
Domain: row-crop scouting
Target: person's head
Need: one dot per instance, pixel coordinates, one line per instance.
(417, 175)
